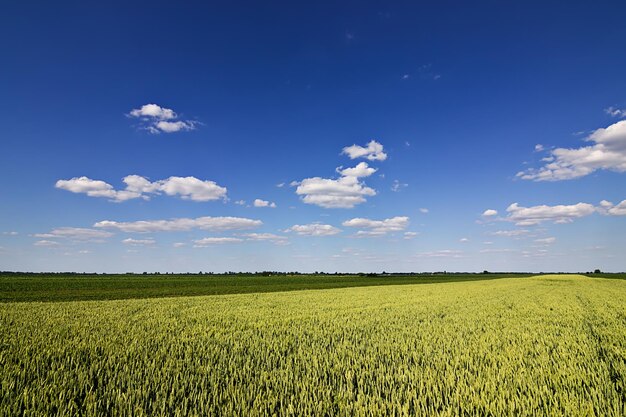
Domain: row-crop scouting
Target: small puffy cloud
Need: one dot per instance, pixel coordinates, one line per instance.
(490, 213)
(373, 151)
(615, 112)
(191, 188)
(280, 185)
(424, 210)
(607, 208)
(314, 229)
(179, 244)
(240, 202)
(182, 224)
(208, 241)
(188, 188)
(464, 240)
(361, 170)
(153, 110)
(377, 227)
(607, 151)
(344, 192)
(10, 233)
(84, 185)
(139, 242)
(539, 148)
(410, 235)
(263, 203)
(530, 216)
(546, 240)
(46, 243)
(75, 233)
(157, 119)
(170, 127)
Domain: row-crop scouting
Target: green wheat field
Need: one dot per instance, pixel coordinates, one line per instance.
(532, 346)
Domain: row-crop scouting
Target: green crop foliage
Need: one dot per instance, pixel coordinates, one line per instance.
(549, 345)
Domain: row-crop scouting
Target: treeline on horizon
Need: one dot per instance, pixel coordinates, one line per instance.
(290, 273)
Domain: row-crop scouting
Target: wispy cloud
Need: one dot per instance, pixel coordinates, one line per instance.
(374, 228)
(209, 241)
(615, 112)
(75, 233)
(182, 224)
(139, 242)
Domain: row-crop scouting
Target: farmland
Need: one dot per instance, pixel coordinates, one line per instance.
(546, 345)
(76, 287)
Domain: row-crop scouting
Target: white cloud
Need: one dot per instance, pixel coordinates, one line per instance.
(608, 151)
(153, 110)
(539, 147)
(266, 237)
(46, 243)
(240, 202)
(75, 233)
(314, 229)
(360, 170)
(207, 241)
(546, 240)
(378, 227)
(606, 207)
(280, 185)
(446, 253)
(373, 152)
(406, 76)
(464, 240)
(530, 216)
(84, 185)
(188, 188)
(496, 250)
(615, 112)
(263, 203)
(344, 192)
(157, 119)
(170, 127)
(138, 242)
(191, 188)
(182, 224)
(10, 233)
(490, 213)
(179, 244)
(410, 235)
(510, 233)
(397, 186)
(424, 210)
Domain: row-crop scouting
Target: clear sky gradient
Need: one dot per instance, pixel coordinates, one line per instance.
(331, 136)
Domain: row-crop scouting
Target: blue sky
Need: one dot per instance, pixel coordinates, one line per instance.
(375, 136)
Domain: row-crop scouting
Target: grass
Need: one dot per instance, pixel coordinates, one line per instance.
(549, 345)
(58, 287)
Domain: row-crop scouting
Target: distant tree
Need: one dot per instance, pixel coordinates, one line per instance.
(597, 271)
(485, 272)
